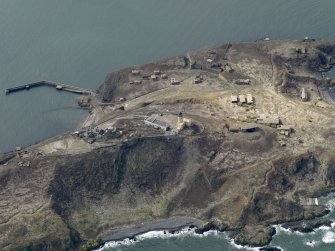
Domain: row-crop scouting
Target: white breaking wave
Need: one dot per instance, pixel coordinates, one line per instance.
(186, 232)
(329, 237)
(288, 231)
(232, 242)
(157, 234)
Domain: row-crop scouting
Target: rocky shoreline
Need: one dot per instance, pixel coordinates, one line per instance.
(251, 237)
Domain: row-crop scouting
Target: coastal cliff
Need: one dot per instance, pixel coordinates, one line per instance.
(217, 163)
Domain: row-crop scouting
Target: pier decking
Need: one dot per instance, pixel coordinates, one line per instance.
(58, 86)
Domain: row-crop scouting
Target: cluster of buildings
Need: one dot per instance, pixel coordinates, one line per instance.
(272, 121)
(218, 67)
(26, 164)
(94, 133)
(242, 99)
(155, 76)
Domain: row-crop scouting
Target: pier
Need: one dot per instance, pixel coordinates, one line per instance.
(57, 86)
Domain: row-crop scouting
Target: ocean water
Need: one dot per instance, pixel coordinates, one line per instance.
(80, 41)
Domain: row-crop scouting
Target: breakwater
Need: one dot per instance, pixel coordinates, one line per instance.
(57, 86)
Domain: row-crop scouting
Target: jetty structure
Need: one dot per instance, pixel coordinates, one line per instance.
(57, 86)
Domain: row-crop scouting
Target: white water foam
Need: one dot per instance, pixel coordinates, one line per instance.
(232, 242)
(329, 237)
(157, 234)
(331, 204)
(312, 243)
(185, 232)
(288, 231)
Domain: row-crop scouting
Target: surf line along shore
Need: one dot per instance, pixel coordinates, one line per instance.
(169, 224)
(58, 86)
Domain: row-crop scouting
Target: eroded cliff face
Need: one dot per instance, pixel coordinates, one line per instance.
(88, 194)
(66, 191)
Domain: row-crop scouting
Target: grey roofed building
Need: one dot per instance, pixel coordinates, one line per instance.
(271, 121)
(152, 121)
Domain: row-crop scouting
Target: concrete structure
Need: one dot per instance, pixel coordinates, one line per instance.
(242, 81)
(228, 68)
(164, 76)
(157, 72)
(304, 95)
(234, 129)
(272, 121)
(233, 98)
(57, 86)
(284, 129)
(242, 99)
(137, 82)
(154, 77)
(182, 123)
(248, 127)
(174, 81)
(197, 80)
(152, 121)
(250, 99)
(135, 72)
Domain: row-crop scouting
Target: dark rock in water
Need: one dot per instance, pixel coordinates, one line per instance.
(307, 227)
(255, 236)
(269, 249)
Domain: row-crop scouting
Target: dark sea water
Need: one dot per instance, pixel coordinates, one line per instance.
(80, 41)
